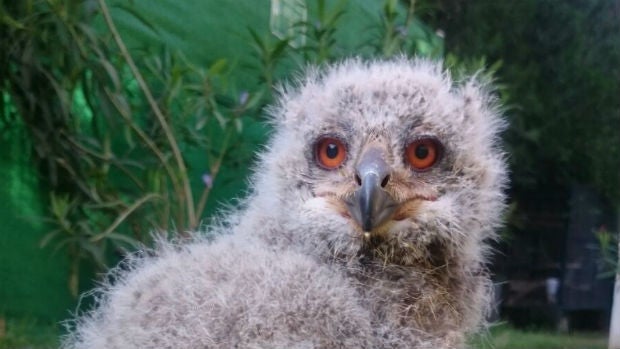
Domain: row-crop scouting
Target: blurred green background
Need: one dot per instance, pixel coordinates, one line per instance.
(124, 119)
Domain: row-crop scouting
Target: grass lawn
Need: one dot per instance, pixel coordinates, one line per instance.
(506, 337)
(30, 334)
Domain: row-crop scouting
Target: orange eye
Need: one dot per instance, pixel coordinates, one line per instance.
(423, 153)
(330, 153)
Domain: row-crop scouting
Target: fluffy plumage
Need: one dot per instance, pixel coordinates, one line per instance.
(295, 267)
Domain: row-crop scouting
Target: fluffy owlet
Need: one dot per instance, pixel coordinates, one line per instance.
(367, 227)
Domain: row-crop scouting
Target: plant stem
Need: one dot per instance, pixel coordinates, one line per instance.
(149, 142)
(124, 216)
(410, 13)
(106, 158)
(214, 170)
(155, 108)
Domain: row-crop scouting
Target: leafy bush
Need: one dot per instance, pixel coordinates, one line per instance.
(112, 127)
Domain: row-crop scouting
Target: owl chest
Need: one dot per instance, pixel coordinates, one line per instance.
(412, 298)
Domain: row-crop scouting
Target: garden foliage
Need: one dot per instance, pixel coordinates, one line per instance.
(130, 131)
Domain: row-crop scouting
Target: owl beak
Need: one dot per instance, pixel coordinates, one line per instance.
(371, 205)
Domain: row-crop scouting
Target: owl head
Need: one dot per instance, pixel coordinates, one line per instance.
(390, 161)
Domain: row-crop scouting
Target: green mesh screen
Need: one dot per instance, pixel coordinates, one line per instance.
(33, 281)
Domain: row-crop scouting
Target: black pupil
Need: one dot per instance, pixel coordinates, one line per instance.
(421, 151)
(332, 151)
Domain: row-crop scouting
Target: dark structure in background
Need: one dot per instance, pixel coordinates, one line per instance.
(586, 296)
(551, 269)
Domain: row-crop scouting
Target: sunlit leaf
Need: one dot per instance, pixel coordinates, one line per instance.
(218, 67)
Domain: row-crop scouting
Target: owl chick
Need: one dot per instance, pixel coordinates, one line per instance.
(367, 227)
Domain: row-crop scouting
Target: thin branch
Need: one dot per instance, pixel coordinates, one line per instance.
(214, 170)
(106, 159)
(121, 218)
(150, 144)
(160, 117)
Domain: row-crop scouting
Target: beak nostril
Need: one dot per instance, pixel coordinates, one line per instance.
(385, 181)
(358, 180)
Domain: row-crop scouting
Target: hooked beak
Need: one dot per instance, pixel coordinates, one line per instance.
(371, 205)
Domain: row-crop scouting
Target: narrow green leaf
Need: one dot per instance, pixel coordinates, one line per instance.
(238, 125)
(218, 67)
(120, 237)
(49, 237)
(257, 40)
(132, 11)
